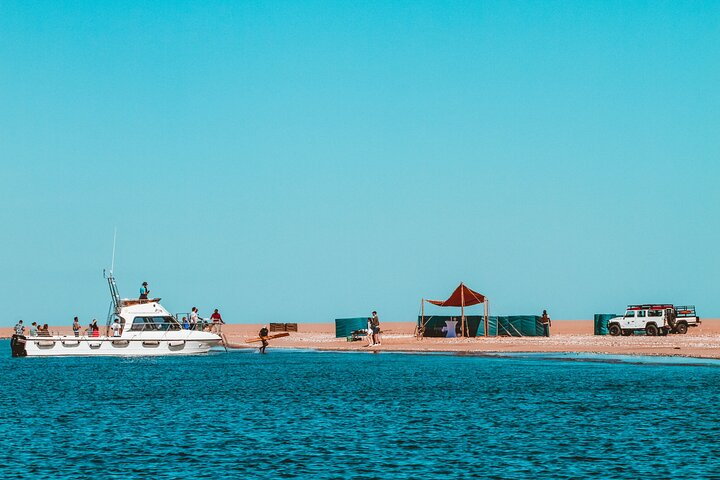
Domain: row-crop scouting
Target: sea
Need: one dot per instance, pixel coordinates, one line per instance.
(334, 415)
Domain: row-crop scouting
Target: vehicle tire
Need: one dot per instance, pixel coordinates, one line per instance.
(614, 330)
(664, 332)
(651, 330)
(627, 332)
(681, 328)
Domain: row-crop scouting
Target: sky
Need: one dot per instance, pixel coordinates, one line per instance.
(306, 161)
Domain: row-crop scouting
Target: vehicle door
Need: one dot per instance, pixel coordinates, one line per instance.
(657, 317)
(629, 319)
(641, 319)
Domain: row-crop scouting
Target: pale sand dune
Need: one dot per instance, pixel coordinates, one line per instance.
(567, 336)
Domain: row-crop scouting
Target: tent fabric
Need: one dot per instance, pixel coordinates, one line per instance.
(456, 299)
(345, 326)
(515, 325)
(601, 322)
(434, 325)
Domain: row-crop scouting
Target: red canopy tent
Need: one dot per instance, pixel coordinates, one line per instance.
(462, 297)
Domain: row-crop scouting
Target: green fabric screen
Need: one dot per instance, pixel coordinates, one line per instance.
(345, 326)
(519, 325)
(601, 322)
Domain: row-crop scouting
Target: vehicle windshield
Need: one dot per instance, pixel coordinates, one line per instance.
(630, 313)
(148, 324)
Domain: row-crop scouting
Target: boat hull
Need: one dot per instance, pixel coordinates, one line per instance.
(141, 346)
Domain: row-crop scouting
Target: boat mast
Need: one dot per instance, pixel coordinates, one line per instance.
(114, 294)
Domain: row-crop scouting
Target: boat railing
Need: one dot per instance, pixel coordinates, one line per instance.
(203, 325)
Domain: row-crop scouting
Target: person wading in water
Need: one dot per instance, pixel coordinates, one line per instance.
(264, 338)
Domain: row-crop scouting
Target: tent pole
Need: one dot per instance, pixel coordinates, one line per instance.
(487, 329)
(462, 309)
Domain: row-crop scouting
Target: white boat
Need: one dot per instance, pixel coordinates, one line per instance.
(147, 329)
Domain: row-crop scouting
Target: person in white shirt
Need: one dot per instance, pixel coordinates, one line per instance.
(370, 338)
(116, 328)
(193, 318)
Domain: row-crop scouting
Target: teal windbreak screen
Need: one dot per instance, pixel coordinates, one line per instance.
(345, 326)
(601, 322)
(519, 326)
(515, 326)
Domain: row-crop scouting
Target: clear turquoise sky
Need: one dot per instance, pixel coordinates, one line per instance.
(302, 161)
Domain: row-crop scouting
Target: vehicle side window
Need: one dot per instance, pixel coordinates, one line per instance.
(655, 313)
(641, 313)
(630, 314)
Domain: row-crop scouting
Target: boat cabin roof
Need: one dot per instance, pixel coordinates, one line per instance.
(127, 302)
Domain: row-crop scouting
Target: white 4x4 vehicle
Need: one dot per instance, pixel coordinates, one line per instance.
(654, 319)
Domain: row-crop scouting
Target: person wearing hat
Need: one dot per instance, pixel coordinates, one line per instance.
(546, 323)
(144, 292)
(375, 322)
(264, 338)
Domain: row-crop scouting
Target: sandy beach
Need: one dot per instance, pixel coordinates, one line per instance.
(572, 336)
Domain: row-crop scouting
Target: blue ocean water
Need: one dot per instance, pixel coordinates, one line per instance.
(298, 414)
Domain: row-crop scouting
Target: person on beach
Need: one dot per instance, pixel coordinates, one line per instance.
(263, 338)
(144, 291)
(34, 329)
(376, 328)
(217, 322)
(116, 328)
(76, 327)
(370, 336)
(19, 328)
(546, 323)
(193, 318)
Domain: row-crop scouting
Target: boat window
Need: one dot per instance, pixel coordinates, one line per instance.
(630, 314)
(166, 323)
(137, 325)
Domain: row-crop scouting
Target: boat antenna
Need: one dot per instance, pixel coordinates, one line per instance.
(112, 263)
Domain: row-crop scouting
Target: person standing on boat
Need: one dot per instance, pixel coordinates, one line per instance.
(19, 328)
(144, 291)
(34, 329)
(546, 323)
(217, 321)
(116, 328)
(263, 338)
(193, 318)
(94, 329)
(76, 327)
